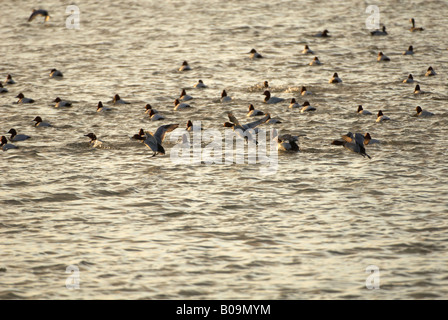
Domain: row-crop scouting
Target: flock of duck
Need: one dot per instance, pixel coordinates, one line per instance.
(355, 142)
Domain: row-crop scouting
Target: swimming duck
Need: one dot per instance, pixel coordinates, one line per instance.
(191, 127)
(5, 145)
(39, 12)
(362, 111)
(304, 92)
(379, 32)
(184, 96)
(22, 99)
(315, 62)
(335, 79)
(294, 104)
(271, 100)
(430, 72)
(253, 112)
(180, 106)
(200, 85)
(368, 139)
(422, 113)
(40, 123)
(273, 121)
(94, 141)
(410, 51)
(353, 142)
(55, 73)
(140, 135)
(9, 79)
(307, 107)
(2, 90)
(101, 108)
(254, 54)
(185, 66)
(307, 50)
(382, 57)
(410, 79)
(225, 97)
(413, 28)
(155, 116)
(323, 34)
(417, 90)
(17, 137)
(148, 109)
(381, 117)
(61, 103)
(154, 141)
(118, 100)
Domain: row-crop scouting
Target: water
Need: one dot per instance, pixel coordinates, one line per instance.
(145, 228)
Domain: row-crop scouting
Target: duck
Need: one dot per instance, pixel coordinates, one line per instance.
(22, 99)
(353, 142)
(286, 142)
(225, 97)
(304, 92)
(265, 85)
(323, 34)
(39, 12)
(335, 79)
(5, 145)
(422, 113)
(200, 85)
(148, 108)
(235, 124)
(245, 130)
(307, 50)
(184, 96)
(40, 123)
(417, 90)
(191, 127)
(409, 79)
(254, 54)
(253, 112)
(294, 104)
(60, 103)
(273, 121)
(362, 111)
(17, 137)
(307, 107)
(271, 100)
(430, 72)
(381, 117)
(140, 135)
(154, 141)
(101, 108)
(315, 62)
(56, 73)
(118, 100)
(2, 89)
(368, 139)
(180, 106)
(185, 66)
(155, 116)
(410, 51)
(9, 79)
(94, 141)
(382, 32)
(413, 28)
(382, 57)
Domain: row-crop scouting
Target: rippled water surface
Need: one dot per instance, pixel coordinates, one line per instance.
(146, 228)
